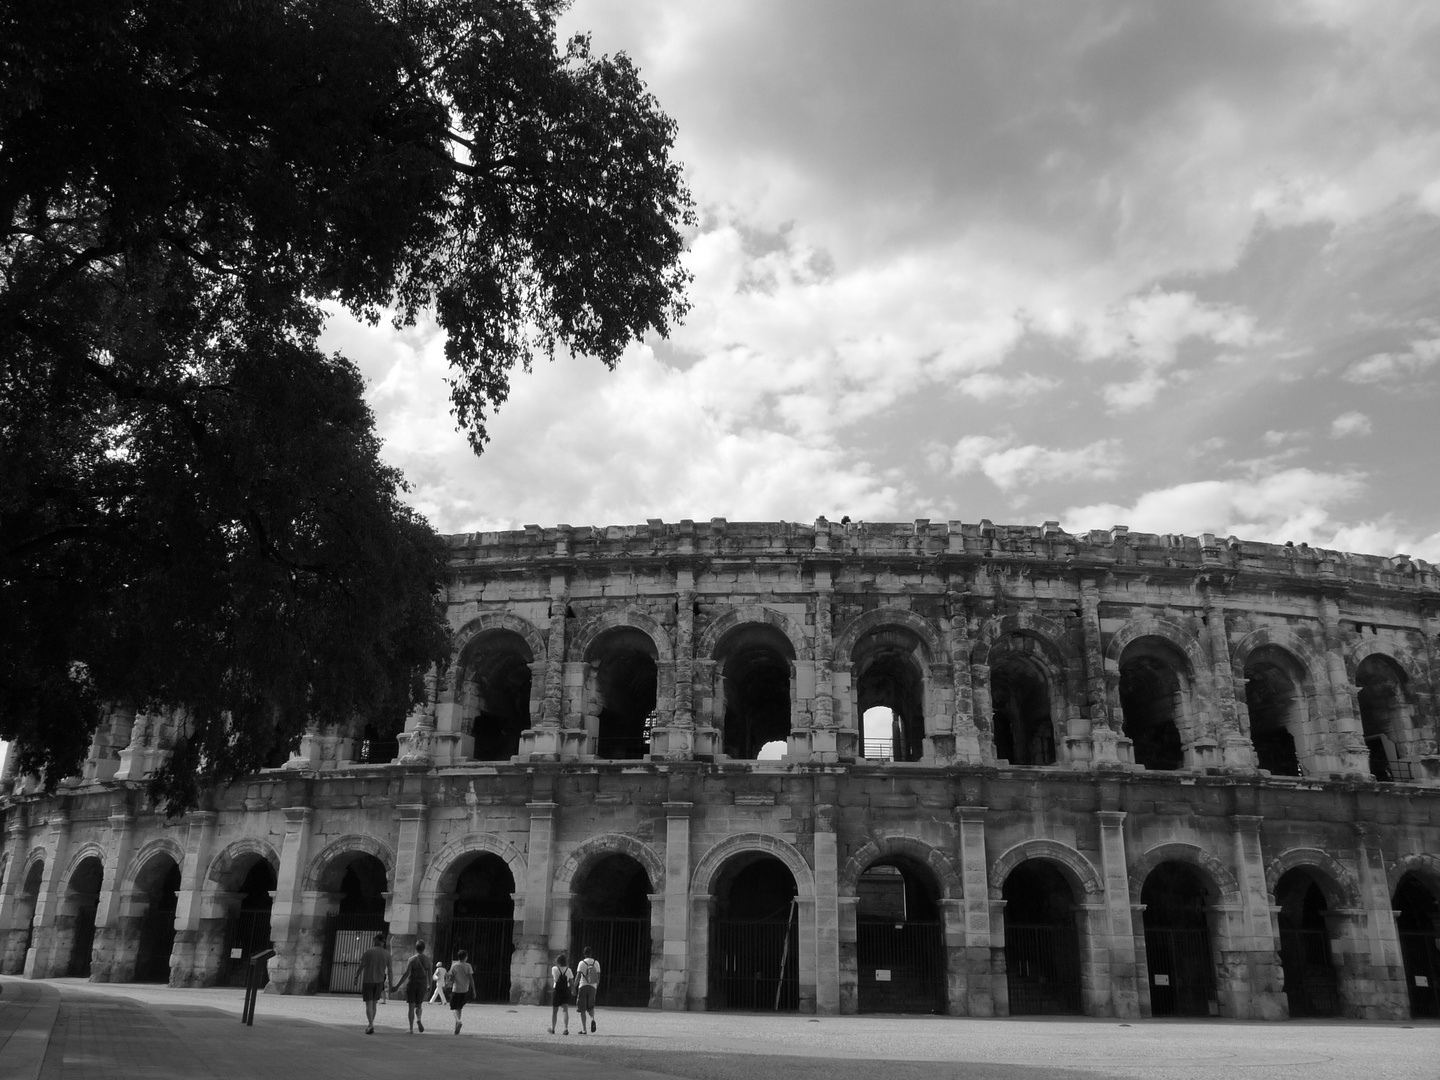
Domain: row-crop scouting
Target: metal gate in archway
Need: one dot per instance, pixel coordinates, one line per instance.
(1042, 969)
(489, 943)
(1421, 954)
(754, 964)
(346, 939)
(157, 939)
(901, 967)
(622, 948)
(247, 933)
(1311, 985)
(1182, 971)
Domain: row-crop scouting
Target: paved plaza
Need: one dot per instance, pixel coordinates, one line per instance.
(68, 1028)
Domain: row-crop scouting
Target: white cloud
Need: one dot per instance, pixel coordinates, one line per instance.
(1393, 368)
(988, 386)
(1009, 466)
(1350, 423)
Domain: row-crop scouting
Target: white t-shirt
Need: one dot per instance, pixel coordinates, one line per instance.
(588, 971)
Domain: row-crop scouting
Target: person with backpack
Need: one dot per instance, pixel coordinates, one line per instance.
(461, 978)
(561, 978)
(587, 976)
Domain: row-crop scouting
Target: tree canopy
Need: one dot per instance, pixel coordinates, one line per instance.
(194, 515)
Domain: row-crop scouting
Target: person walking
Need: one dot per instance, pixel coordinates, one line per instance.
(561, 978)
(462, 982)
(438, 977)
(373, 975)
(417, 982)
(587, 975)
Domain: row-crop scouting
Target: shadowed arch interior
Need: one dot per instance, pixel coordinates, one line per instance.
(900, 956)
(1151, 702)
(159, 882)
(84, 900)
(889, 674)
(626, 683)
(1042, 947)
(494, 693)
(1276, 704)
(610, 915)
(1381, 691)
(754, 943)
(756, 665)
(477, 914)
(1020, 697)
(1417, 918)
(248, 931)
(1177, 941)
(1311, 985)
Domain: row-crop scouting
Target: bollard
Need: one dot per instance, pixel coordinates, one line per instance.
(252, 985)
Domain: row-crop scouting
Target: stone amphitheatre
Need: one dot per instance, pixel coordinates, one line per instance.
(927, 767)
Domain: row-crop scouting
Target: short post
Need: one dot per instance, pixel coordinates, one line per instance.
(252, 985)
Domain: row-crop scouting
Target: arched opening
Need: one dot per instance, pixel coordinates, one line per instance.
(1277, 710)
(756, 663)
(1311, 983)
(754, 937)
(1042, 946)
(81, 903)
(249, 927)
(626, 681)
(1418, 920)
(1380, 688)
(1152, 692)
(477, 914)
(379, 742)
(877, 733)
(494, 693)
(1020, 704)
(610, 913)
(159, 883)
(357, 884)
(889, 674)
(899, 942)
(1177, 942)
(25, 912)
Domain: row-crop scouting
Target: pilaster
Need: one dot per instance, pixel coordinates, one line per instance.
(531, 962)
(287, 914)
(975, 878)
(41, 963)
(1125, 974)
(675, 970)
(1255, 980)
(827, 908)
(195, 961)
(1105, 728)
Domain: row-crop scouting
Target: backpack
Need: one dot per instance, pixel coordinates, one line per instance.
(562, 984)
(586, 971)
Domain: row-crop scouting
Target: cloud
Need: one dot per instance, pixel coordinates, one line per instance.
(988, 386)
(1009, 466)
(1391, 369)
(1350, 423)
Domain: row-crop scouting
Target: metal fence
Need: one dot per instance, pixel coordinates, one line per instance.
(1421, 953)
(754, 965)
(157, 938)
(1182, 971)
(82, 945)
(1311, 985)
(489, 944)
(622, 948)
(247, 934)
(346, 938)
(878, 749)
(901, 967)
(1042, 969)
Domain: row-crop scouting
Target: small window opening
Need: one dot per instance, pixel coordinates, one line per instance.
(1380, 687)
(1274, 705)
(626, 690)
(878, 733)
(1020, 699)
(496, 696)
(1150, 692)
(889, 676)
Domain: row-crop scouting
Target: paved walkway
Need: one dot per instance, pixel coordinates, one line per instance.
(66, 1028)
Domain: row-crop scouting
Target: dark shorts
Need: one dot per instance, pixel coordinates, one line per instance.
(585, 999)
(371, 991)
(458, 998)
(416, 993)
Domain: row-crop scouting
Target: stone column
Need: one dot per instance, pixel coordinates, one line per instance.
(41, 962)
(531, 963)
(404, 913)
(827, 906)
(1389, 994)
(975, 879)
(287, 914)
(15, 908)
(962, 707)
(702, 912)
(109, 964)
(675, 971)
(1232, 731)
(952, 922)
(551, 739)
(1123, 973)
(1347, 748)
(1250, 965)
(1106, 731)
(826, 714)
(417, 742)
(675, 741)
(196, 956)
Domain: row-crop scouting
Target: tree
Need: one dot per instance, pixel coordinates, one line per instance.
(193, 511)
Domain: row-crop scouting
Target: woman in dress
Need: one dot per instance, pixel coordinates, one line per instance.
(561, 980)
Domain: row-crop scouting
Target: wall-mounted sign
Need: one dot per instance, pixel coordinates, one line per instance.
(882, 974)
(1162, 980)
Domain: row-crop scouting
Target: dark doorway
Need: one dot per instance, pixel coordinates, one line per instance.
(495, 693)
(754, 940)
(85, 896)
(160, 881)
(1151, 692)
(1020, 701)
(1380, 690)
(1418, 920)
(30, 899)
(249, 928)
(611, 914)
(888, 674)
(481, 920)
(899, 942)
(1276, 707)
(626, 685)
(1042, 948)
(1177, 942)
(755, 663)
(1311, 984)
(361, 883)
(380, 741)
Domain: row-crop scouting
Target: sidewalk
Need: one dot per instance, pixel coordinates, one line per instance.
(103, 1031)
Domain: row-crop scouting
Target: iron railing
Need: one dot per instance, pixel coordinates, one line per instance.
(346, 939)
(489, 944)
(901, 967)
(754, 964)
(1421, 952)
(622, 948)
(1182, 971)
(247, 934)
(1042, 969)
(1311, 985)
(157, 938)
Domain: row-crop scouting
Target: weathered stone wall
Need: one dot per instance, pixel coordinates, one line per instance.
(950, 616)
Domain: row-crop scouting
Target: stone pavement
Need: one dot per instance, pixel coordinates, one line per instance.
(102, 1031)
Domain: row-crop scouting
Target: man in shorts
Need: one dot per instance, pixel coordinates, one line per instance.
(587, 974)
(373, 976)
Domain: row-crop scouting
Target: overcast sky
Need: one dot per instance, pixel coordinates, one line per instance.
(1172, 265)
